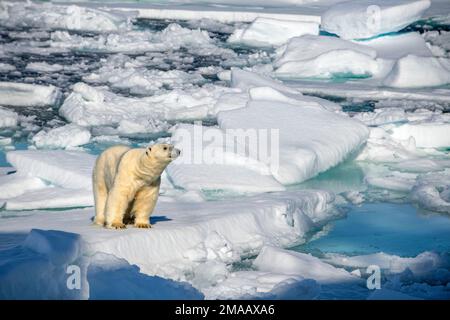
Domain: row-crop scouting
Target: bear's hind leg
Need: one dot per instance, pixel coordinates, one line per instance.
(144, 203)
(100, 197)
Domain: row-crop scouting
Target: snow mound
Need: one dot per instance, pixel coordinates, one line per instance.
(324, 57)
(76, 18)
(414, 71)
(8, 118)
(289, 262)
(28, 95)
(92, 106)
(366, 19)
(68, 169)
(272, 32)
(65, 137)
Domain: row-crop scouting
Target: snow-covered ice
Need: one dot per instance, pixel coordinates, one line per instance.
(28, 95)
(69, 169)
(366, 19)
(272, 32)
(413, 71)
(8, 118)
(66, 137)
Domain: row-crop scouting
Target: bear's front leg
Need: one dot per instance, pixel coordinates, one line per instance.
(116, 205)
(144, 203)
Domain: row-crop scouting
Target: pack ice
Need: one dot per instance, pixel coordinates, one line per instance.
(28, 95)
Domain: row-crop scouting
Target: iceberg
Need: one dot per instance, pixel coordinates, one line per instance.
(366, 19)
(266, 32)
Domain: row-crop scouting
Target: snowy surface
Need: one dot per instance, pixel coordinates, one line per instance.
(67, 136)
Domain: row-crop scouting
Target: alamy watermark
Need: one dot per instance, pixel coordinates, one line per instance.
(74, 277)
(254, 148)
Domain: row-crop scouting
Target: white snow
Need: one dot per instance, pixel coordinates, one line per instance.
(65, 137)
(413, 71)
(272, 32)
(28, 95)
(366, 19)
(69, 169)
(8, 118)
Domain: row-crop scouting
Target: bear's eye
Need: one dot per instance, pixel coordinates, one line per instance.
(165, 148)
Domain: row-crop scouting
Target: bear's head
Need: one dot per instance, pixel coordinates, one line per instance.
(162, 152)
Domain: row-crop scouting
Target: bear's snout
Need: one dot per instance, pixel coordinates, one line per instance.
(175, 153)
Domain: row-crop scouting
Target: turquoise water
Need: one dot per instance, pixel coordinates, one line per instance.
(398, 229)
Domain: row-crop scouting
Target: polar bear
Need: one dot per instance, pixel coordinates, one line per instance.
(126, 184)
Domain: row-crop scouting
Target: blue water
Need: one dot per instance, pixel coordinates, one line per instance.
(398, 229)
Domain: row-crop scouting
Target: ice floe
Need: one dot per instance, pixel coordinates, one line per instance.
(271, 32)
(8, 118)
(366, 19)
(413, 71)
(28, 95)
(69, 169)
(66, 137)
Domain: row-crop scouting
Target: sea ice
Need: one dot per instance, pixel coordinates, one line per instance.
(8, 118)
(414, 71)
(366, 19)
(324, 57)
(47, 15)
(272, 32)
(95, 106)
(65, 137)
(68, 169)
(28, 95)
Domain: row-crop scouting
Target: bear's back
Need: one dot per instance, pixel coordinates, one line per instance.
(108, 163)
